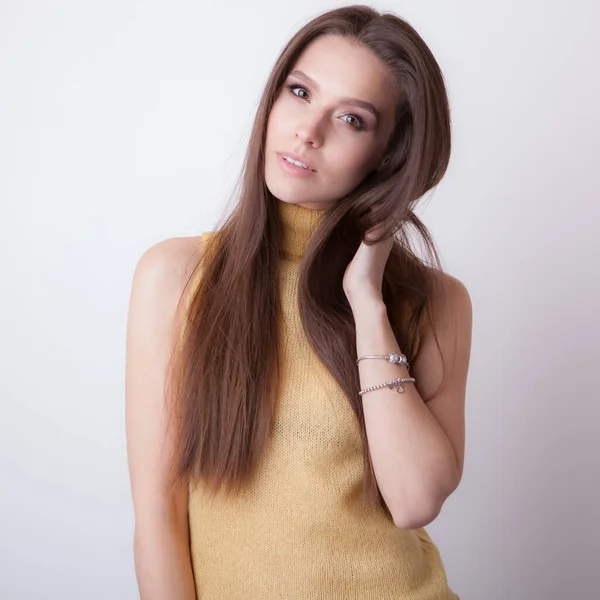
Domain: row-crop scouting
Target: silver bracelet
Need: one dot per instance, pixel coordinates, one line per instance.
(392, 358)
(396, 383)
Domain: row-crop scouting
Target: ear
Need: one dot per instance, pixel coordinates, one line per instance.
(385, 163)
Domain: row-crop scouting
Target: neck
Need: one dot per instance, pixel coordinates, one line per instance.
(299, 224)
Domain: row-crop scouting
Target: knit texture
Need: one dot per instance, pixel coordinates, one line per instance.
(301, 529)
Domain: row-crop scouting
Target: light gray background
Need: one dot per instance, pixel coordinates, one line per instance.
(123, 123)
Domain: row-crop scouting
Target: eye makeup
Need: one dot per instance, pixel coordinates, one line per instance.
(360, 122)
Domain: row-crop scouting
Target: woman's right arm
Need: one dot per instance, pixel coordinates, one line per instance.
(161, 538)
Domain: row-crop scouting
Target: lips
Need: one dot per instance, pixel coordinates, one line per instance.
(298, 158)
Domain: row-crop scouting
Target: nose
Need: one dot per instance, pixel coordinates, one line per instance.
(309, 131)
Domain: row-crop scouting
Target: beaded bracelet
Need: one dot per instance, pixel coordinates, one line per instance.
(396, 383)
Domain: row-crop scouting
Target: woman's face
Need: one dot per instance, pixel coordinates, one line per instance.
(334, 113)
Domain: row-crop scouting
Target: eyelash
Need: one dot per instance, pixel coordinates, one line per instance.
(361, 122)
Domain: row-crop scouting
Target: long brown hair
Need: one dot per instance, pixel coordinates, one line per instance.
(223, 379)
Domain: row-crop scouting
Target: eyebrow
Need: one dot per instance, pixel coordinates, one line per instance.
(346, 99)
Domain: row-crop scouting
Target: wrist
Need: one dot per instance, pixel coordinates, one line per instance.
(367, 305)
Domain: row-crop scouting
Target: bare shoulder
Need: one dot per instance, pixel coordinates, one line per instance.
(167, 264)
(159, 280)
(457, 299)
(452, 312)
(450, 301)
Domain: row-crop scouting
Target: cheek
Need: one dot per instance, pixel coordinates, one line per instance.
(279, 115)
(353, 161)
(272, 122)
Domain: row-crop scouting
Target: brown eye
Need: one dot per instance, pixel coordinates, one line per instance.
(295, 86)
(359, 123)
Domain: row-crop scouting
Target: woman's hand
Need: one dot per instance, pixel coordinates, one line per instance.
(363, 277)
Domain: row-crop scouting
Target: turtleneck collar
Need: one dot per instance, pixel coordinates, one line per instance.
(299, 224)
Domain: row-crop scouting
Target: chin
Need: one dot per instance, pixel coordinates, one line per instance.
(286, 192)
(290, 198)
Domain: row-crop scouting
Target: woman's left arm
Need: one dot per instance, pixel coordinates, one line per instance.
(416, 439)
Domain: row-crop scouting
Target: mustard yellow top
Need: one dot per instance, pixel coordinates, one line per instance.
(301, 529)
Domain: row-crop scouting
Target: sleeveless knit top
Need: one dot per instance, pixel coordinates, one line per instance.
(301, 530)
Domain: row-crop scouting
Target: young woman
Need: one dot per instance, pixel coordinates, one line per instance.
(296, 378)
